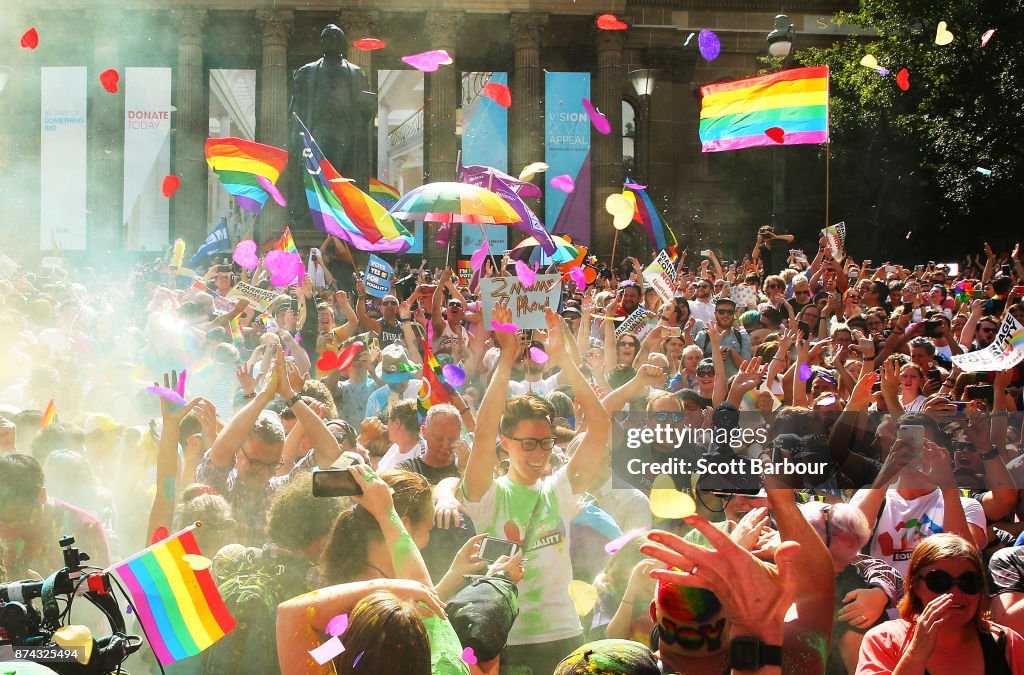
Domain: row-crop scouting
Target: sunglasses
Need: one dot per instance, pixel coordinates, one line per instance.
(668, 417)
(939, 581)
(701, 372)
(801, 292)
(388, 302)
(626, 343)
(726, 312)
(455, 304)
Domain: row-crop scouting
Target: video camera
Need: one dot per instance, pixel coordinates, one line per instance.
(27, 632)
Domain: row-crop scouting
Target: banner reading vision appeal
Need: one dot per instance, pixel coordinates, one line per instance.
(527, 304)
(1006, 351)
(567, 152)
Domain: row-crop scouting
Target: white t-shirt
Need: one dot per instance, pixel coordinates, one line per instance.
(705, 311)
(546, 612)
(393, 457)
(540, 387)
(917, 405)
(904, 523)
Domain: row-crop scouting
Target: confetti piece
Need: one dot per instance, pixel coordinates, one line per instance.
(168, 394)
(578, 277)
(563, 183)
(985, 37)
(369, 44)
(942, 36)
(615, 545)
(348, 355)
(688, 38)
(170, 184)
(453, 375)
(327, 651)
(245, 255)
(776, 134)
(499, 92)
(178, 253)
(709, 44)
(328, 361)
(159, 534)
(610, 22)
(531, 170)
(908, 235)
(128, 609)
(197, 562)
(78, 638)
(504, 327)
(355, 662)
(600, 122)
(903, 79)
(621, 210)
(526, 274)
(109, 79)
(469, 656)
(337, 626)
(668, 503)
(982, 170)
(179, 387)
(806, 372)
(634, 186)
(882, 71)
(827, 399)
(869, 61)
(476, 261)
(428, 62)
(272, 189)
(538, 355)
(30, 39)
(584, 596)
(284, 267)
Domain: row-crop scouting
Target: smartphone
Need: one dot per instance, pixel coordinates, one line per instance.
(686, 269)
(932, 328)
(890, 269)
(804, 327)
(934, 374)
(335, 483)
(912, 434)
(867, 263)
(961, 408)
(673, 331)
(908, 307)
(706, 253)
(918, 268)
(978, 295)
(492, 548)
(223, 268)
(980, 392)
(1018, 290)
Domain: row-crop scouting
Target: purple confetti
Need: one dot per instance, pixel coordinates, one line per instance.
(355, 662)
(169, 394)
(709, 44)
(128, 609)
(616, 544)
(805, 372)
(338, 625)
(526, 275)
(453, 375)
(882, 71)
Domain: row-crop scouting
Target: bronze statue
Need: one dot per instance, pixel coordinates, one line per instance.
(331, 96)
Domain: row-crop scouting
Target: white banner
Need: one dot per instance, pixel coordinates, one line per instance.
(527, 304)
(639, 323)
(1006, 351)
(62, 159)
(659, 275)
(147, 157)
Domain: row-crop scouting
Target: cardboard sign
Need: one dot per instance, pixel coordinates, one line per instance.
(258, 298)
(1006, 351)
(639, 323)
(744, 296)
(835, 238)
(465, 273)
(527, 304)
(379, 277)
(659, 275)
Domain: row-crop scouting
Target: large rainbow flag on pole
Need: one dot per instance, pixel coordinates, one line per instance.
(179, 606)
(240, 165)
(339, 207)
(384, 194)
(735, 115)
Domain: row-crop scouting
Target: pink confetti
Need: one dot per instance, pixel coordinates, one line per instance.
(616, 544)
(599, 121)
(327, 651)
(806, 372)
(525, 274)
(986, 36)
(284, 267)
(539, 355)
(477, 260)
(272, 189)
(428, 62)
(453, 375)
(504, 327)
(168, 394)
(908, 235)
(634, 186)
(337, 626)
(180, 387)
(563, 183)
(245, 255)
(469, 656)
(578, 277)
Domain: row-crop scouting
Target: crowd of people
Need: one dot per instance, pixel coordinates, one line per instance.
(869, 522)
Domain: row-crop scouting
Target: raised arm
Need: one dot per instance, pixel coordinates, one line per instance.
(231, 437)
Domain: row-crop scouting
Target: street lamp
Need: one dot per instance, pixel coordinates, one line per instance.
(780, 40)
(643, 82)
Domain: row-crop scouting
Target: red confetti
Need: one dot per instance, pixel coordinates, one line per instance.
(369, 44)
(159, 534)
(171, 183)
(328, 361)
(30, 40)
(776, 134)
(499, 92)
(610, 22)
(903, 79)
(109, 79)
(348, 355)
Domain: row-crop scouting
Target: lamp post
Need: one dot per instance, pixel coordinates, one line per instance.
(780, 44)
(643, 82)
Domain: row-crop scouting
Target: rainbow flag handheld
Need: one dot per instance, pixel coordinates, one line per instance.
(340, 208)
(179, 607)
(286, 243)
(49, 415)
(246, 169)
(384, 194)
(433, 390)
(735, 115)
(645, 214)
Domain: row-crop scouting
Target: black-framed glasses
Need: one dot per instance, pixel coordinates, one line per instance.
(726, 312)
(455, 303)
(701, 372)
(531, 444)
(675, 417)
(940, 581)
(264, 466)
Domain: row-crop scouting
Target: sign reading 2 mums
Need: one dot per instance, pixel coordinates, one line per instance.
(567, 152)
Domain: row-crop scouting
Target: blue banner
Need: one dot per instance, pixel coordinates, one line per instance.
(567, 152)
(417, 236)
(485, 142)
(379, 277)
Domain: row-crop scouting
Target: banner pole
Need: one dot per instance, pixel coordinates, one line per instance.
(614, 243)
(828, 181)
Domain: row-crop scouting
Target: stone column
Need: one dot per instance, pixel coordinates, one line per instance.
(442, 89)
(105, 194)
(359, 24)
(191, 125)
(526, 116)
(273, 123)
(606, 151)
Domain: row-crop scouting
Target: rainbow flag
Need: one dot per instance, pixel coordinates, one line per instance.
(286, 243)
(240, 164)
(432, 391)
(384, 194)
(645, 214)
(236, 335)
(735, 115)
(340, 208)
(49, 415)
(179, 607)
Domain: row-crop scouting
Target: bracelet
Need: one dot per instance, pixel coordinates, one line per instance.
(249, 396)
(405, 320)
(991, 454)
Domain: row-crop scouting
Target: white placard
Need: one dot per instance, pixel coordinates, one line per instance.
(527, 304)
(147, 157)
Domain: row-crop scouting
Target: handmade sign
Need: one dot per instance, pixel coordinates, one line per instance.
(379, 277)
(639, 323)
(465, 272)
(659, 275)
(1006, 351)
(527, 304)
(258, 297)
(835, 239)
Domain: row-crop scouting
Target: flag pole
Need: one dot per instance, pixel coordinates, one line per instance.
(615, 241)
(149, 548)
(828, 180)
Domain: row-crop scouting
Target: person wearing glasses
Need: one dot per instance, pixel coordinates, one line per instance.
(527, 508)
(702, 307)
(944, 624)
(735, 343)
(387, 329)
(448, 325)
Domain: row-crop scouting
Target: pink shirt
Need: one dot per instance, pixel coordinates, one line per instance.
(883, 646)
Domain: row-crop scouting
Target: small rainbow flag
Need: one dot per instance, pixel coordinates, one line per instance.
(49, 415)
(340, 208)
(240, 164)
(179, 607)
(735, 115)
(236, 335)
(286, 243)
(645, 214)
(384, 194)
(432, 391)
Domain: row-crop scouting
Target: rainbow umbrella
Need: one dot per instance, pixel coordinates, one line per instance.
(564, 251)
(454, 203)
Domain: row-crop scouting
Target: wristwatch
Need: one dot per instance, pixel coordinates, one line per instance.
(292, 401)
(991, 454)
(749, 653)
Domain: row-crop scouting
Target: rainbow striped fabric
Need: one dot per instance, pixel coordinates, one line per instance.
(179, 607)
(239, 164)
(735, 115)
(49, 415)
(286, 243)
(384, 194)
(339, 207)
(433, 390)
(645, 214)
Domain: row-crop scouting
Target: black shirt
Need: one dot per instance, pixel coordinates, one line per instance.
(433, 475)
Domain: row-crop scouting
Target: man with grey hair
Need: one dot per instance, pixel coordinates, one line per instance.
(442, 433)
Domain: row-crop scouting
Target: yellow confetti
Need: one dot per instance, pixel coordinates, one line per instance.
(197, 562)
(532, 169)
(667, 502)
(78, 638)
(620, 208)
(583, 595)
(869, 61)
(942, 36)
